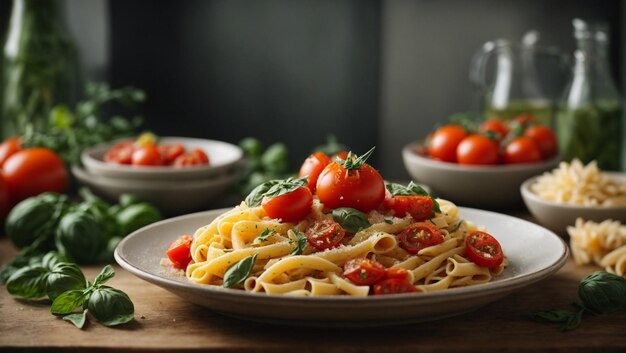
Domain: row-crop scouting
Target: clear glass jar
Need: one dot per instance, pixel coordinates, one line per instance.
(589, 120)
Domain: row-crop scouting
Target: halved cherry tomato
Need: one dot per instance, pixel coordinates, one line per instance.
(147, 155)
(195, 157)
(393, 286)
(545, 138)
(9, 147)
(444, 142)
(522, 150)
(121, 153)
(477, 150)
(169, 152)
(290, 207)
(397, 273)
(495, 126)
(483, 249)
(363, 271)
(418, 236)
(313, 166)
(419, 207)
(179, 251)
(325, 234)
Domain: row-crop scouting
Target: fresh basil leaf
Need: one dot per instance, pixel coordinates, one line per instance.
(552, 315)
(78, 319)
(602, 292)
(388, 221)
(352, 220)
(51, 259)
(300, 243)
(238, 272)
(456, 226)
(256, 195)
(352, 162)
(106, 274)
(286, 186)
(67, 302)
(64, 277)
(28, 282)
(573, 321)
(266, 233)
(110, 306)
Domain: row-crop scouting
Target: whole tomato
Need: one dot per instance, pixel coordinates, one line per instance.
(291, 206)
(8, 148)
(522, 150)
(496, 126)
(32, 171)
(5, 198)
(477, 149)
(443, 143)
(147, 155)
(312, 167)
(545, 139)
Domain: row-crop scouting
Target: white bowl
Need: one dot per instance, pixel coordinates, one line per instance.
(480, 186)
(223, 158)
(171, 197)
(557, 216)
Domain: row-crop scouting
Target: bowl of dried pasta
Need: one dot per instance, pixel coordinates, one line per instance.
(575, 190)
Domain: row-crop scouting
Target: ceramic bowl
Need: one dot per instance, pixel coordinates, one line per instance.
(558, 216)
(490, 187)
(224, 157)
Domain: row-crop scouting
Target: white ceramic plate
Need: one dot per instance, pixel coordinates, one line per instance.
(534, 253)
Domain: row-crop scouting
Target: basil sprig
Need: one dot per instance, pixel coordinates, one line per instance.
(300, 243)
(238, 272)
(412, 190)
(599, 293)
(354, 162)
(274, 188)
(350, 219)
(265, 234)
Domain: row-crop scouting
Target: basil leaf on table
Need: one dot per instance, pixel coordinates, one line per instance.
(350, 219)
(105, 274)
(110, 306)
(602, 292)
(78, 319)
(67, 302)
(65, 277)
(28, 282)
(238, 272)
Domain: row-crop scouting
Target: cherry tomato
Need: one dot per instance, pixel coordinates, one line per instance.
(362, 188)
(544, 138)
(418, 236)
(496, 126)
(419, 207)
(32, 171)
(147, 155)
(477, 150)
(397, 273)
(169, 152)
(313, 166)
(522, 150)
(179, 252)
(8, 148)
(5, 198)
(363, 271)
(290, 207)
(343, 155)
(121, 153)
(483, 249)
(195, 157)
(325, 234)
(393, 286)
(525, 120)
(443, 143)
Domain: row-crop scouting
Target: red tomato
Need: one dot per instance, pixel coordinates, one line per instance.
(483, 249)
(32, 171)
(393, 286)
(397, 273)
(522, 150)
(312, 167)
(477, 150)
(525, 120)
(496, 126)
(325, 234)
(195, 157)
(179, 252)
(363, 271)
(418, 236)
(343, 155)
(147, 155)
(169, 152)
(544, 138)
(444, 142)
(419, 207)
(8, 148)
(362, 188)
(5, 198)
(121, 153)
(290, 207)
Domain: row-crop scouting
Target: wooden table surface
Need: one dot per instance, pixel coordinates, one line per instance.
(165, 323)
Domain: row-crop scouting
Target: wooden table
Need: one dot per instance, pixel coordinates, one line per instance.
(165, 323)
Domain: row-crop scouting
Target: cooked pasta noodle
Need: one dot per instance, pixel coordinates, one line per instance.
(601, 243)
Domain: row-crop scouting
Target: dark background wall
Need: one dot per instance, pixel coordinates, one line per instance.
(372, 72)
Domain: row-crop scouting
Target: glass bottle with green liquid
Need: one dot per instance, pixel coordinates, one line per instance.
(589, 118)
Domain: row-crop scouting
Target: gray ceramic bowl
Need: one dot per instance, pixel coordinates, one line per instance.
(491, 187)
(558, 217)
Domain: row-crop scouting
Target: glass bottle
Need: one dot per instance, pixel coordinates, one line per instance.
(39, 66)
(589, 121)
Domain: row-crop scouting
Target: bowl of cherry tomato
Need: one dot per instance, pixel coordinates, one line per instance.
(482, 166)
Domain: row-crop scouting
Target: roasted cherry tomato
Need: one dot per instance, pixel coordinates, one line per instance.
(418, 236)
(444, 142)
(8, 148)
(522, 150)
(477, 150)
(147, 155)
(169, 152)
(195, 157)
(313, 166)
(325, 234)
(393, 286)
(290, 207)
(545, 139)
(419, 207)
(397, 273)
(363, 271)
(495, 126)
(352, 183)
(483, 249)
(179, 251)
(121, 153)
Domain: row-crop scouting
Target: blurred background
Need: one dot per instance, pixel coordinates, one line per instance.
(371, 72)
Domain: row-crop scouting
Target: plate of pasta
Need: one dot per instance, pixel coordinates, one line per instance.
(293, 252)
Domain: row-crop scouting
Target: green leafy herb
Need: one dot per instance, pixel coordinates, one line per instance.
(110, 306)
(64, 277)
(456, 226)
(67, 302)
(238, 272)
(256, 195)
(388, 221)
(300, 243)
(28, 282)
(352, 162)
(285, 186)
(265, 234)
(78, 319)
(352, 220)
(105, 274)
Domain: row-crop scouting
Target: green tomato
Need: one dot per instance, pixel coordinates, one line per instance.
(137, 216)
